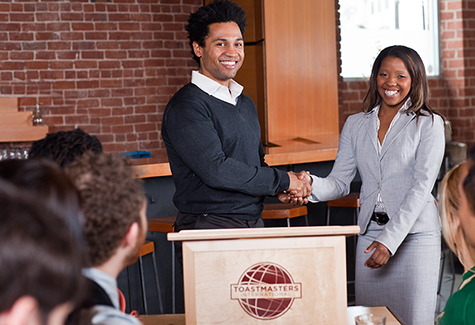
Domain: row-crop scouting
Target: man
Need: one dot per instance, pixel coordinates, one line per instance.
(115, 227)
(212, 135)
(40, 280)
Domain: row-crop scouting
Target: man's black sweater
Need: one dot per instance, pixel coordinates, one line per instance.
(216, 156)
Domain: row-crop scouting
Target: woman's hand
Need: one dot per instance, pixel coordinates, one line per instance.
(379, 257)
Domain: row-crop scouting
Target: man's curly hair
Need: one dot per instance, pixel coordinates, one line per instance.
(111, 198)
(218, 11)
(64, 146)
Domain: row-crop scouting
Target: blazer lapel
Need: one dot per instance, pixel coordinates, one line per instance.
(397, 128)
(371, 129)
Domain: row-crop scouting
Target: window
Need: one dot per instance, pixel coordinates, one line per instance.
(365, 32)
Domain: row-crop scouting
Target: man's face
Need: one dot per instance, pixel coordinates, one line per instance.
(223, 53)
(467, 219)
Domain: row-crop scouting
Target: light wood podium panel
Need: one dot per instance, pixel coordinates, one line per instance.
(265, 275)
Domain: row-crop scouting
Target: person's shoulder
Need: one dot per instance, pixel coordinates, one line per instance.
(469, 288)
(188, 92)
(245, 97)
(187, 97)
(433, 122)
(465, 295)
(246, 101)
(438, 119)
(359, 116)
(357, 119)
(465, 298)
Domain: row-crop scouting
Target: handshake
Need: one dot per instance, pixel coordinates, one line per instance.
(300, 188)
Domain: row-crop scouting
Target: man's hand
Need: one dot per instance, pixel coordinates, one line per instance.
(286, 197)
(283, 197)
(379, 257)
(300, 188)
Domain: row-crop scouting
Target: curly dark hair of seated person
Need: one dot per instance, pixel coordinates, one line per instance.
(219, 11)
(64, 146)
(38, 256)
(111, 199)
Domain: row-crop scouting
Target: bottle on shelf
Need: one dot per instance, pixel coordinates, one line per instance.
(37, 117)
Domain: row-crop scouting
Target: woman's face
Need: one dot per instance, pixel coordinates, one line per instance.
(467, 219)
(394, 82)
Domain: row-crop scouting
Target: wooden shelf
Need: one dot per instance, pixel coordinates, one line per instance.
(22, 133)
(16, 118)
(302, 150)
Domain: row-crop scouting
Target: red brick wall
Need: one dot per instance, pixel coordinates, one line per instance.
(453, 92)
(107, 67)
(110, 67)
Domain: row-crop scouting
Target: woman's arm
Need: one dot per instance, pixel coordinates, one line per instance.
(337, 183)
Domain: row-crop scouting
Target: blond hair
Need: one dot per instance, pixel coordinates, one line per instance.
(449, 205)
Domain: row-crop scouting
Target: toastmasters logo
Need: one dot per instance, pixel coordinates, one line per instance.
(266, 291)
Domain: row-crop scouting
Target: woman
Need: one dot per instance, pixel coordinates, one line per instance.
(459, 309)
(397, 145)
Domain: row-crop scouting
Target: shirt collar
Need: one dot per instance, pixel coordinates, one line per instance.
(107, 282)
(215, 89)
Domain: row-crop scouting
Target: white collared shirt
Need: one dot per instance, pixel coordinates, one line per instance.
(215, 89)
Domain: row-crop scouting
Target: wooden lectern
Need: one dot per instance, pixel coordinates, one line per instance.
(265, 275)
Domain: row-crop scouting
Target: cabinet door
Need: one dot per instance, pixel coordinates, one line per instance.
(290, 71)
(251, 75)
(301, 69)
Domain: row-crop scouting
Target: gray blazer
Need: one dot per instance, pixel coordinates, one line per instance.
(405, 173)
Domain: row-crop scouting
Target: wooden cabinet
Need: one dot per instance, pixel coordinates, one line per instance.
(290, 71)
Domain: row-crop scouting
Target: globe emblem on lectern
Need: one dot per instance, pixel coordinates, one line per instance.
(266, 291)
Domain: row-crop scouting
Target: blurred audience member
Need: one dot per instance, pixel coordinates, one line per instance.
(46, 181)
(64, 146)
(40, 280)
(454, 207)
(449, 206)
(114, 208)
(467, 198)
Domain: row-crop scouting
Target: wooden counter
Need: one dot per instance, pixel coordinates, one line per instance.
(287, 152)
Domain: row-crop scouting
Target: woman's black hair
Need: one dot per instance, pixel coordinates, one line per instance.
(419, 92)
